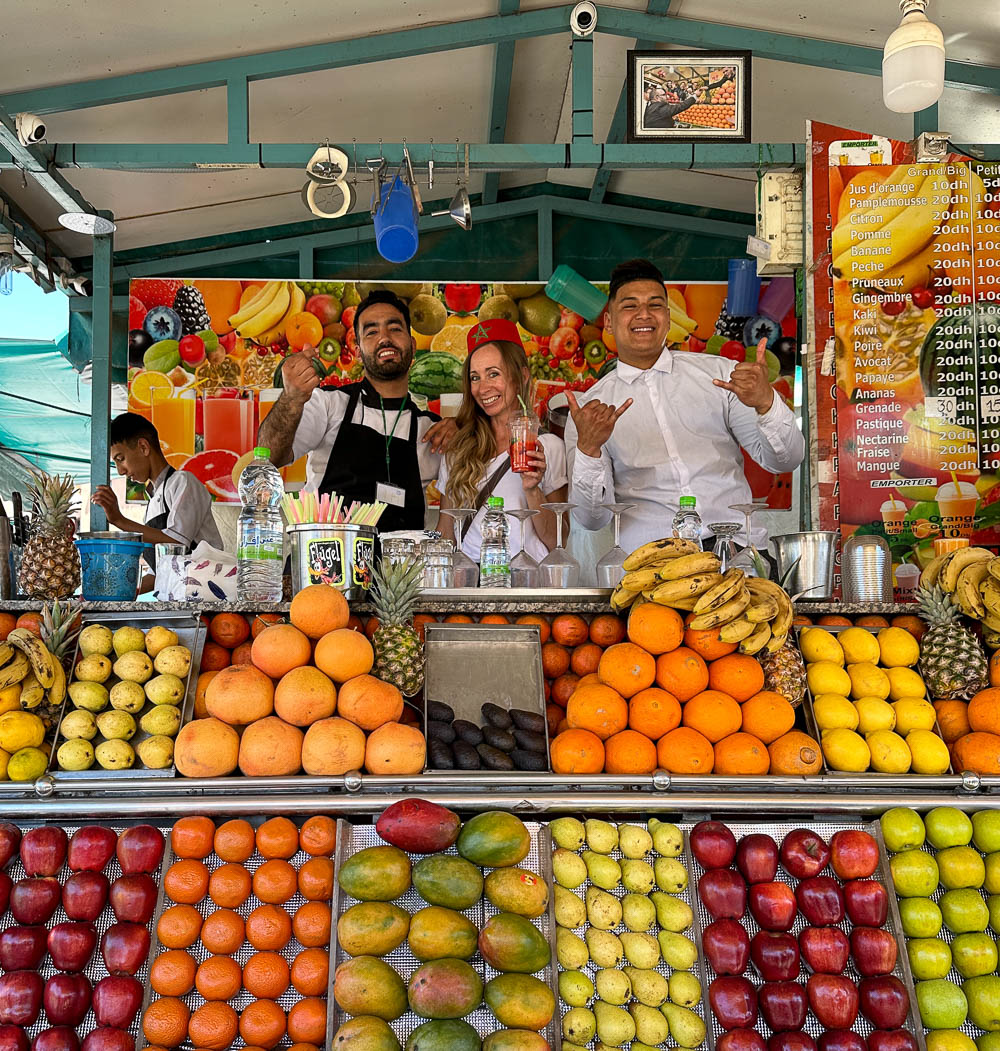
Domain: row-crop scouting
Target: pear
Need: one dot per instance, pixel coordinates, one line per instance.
(165, 689)
(159, 638)
(90, 696)
(128, 697)
(164, 719)
(604, 910)
(156, 752)
(116, 726)
(605, 948)
(568, 1045)
(637, 1045)
(672, 914)
(641, 950)
(686, 1028)
(633, 841)
(75, 754)
(95, 638)
(571, 951)
(173, 660)
(650, 1025)
(95, 668)
(570, 910)
(668, 841)
(684, 989)
(575, 988)
(648, 987)
(613, 986)
(679, 952)
(604, 872)
(638, 912)
(579, 1025)
(78, 723)
(114, 755)
(637, 876)
(568, 833)
(134, 666)
(614, 1026)
(569, 869)
(127, 639)
(670, 875)
(602, 837)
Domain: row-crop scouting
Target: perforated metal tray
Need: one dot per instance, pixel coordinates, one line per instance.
(352, 838)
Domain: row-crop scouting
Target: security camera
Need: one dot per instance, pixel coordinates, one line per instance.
(583, 19)
(83, 285)
(30, 129)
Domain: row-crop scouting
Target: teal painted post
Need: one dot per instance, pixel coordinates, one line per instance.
(503, 72)
(583, 89)
(546, 263)
(238, 111)
(307, 262)
(100, 391)
(925, 120)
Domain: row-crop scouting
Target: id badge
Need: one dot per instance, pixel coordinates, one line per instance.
(390, 494)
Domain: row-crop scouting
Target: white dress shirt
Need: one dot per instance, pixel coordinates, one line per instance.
(681, 436)
(189, 509)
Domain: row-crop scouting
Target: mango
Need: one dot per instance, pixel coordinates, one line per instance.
(520, 1001)
(376, 874)
(438, 934)
(418, 826)
(517, 890)
(367, 1032)
(448, 1034)
(494, 839)
(372, 928)
(443, 879)
(444, 989)
(509, 942)
(515, 1040)
(366, 985)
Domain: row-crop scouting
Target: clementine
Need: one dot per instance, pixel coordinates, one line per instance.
(266, 975)
(229, 629)
(191, 837)
(214, 657)
(599, 709)
(682, 672)
(315, 879)
(736, 674)
(494, 618)
(318, 836)
(274, 882)
(262, 1023)
(268, 927)
(310, 970)
(264, 620)
(277, 838)
(200, 709)
(219, 978)
(213, 1026)
(544, 629)
(186, 881)
(318, 609)
(172, 973)
(656, 629)
(574, 751)
(629, 752)
(229, 885)
(307, 1021)
(585, 658)
(563, 687)
(243, 654)
(311, 924)
(179, 926)
(222, 932)
(166, 1021)
(555, 660)
(234, 840)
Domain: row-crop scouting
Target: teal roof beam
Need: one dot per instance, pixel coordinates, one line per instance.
(503, 74)
(583, 90)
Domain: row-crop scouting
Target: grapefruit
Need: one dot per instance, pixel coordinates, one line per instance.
(214, 469)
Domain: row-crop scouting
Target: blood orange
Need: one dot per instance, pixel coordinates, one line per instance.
(214, 469)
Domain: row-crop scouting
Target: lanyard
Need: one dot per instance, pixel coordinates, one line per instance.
(388, 434)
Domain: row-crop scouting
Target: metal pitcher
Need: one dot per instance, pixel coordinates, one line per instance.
(808, 560)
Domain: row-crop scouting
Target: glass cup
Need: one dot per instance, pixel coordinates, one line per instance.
(465, 572)
(523, 442)
(396, 550)
(725, 549)
(559, 569)
(229, 421)
(523, 568)
(437, 554)
(610, 569)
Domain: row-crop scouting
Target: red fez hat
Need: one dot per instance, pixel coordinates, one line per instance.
(491, 331)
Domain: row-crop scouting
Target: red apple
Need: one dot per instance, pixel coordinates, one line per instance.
(740, 1040)
(803, 853)
(772, 905)
(325, 307)
(713, 844)
(22, 948)
(60, 1038)
(820, 900)
(853, 854)
(71, 945)
(43, 850)
(12, 1038)
(891, 1040)
(5, 887)
(140, 849)
(825, 949)
(775, 954)
(723, 893)
(10, 840)
(117, 999)
(791, 1042)
(833, 999)
(757, 858)
(133, 898)
(85, 894)
(874, 950)
(34, 900)
(67, 999)
(782, 1005)
(20, 997)
(91, 848)
(125, 947)
(734, 1002)
(107, 1039)
(867, 902)
(842, 1040)
(727, 946)
(884, 1001)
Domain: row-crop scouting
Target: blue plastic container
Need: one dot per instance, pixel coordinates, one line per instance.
(110, 565)
(575, 293)
(744, 288)
(396, 223)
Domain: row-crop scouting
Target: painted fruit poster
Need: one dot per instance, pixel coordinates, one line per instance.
(205, 356)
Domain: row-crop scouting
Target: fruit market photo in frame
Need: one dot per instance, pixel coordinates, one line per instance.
(688, 96)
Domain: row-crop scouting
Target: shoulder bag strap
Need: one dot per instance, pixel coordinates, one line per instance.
(491, 483)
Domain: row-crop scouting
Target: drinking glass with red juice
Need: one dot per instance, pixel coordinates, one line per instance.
(523, 442)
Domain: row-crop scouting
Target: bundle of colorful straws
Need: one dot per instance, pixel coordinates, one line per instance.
(303, 507)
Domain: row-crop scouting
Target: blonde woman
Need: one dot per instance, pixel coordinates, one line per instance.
(495, 382)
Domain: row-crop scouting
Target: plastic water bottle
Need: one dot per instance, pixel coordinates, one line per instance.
(259, 532)
(494, 556)
(687, 521)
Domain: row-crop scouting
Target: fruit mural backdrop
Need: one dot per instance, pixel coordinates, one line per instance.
(205, 356)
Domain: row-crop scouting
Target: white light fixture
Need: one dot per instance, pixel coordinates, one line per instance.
(913, 61)
(86, 223)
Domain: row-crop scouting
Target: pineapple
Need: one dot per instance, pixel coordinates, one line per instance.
(785, 673)
(50, 565)
(952, 662)
(399, 653)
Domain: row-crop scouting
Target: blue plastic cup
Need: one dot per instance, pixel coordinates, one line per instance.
(575, 293)
(744, 288)
(396, 223)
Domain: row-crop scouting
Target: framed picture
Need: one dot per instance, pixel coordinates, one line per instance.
(688, 96)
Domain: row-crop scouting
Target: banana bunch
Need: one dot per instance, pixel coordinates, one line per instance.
(753, 612)
(264, 316)
(25, 659)
(681, 326)
(971, 576)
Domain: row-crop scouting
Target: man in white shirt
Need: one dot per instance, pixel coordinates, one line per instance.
(664, 425)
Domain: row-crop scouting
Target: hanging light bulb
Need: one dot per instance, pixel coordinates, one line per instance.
(913, 61)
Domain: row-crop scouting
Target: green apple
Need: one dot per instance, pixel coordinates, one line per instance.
(983, 994)
(992, 882)
(942, 1004)
(993, 907)
(948, 1040)
(961, 867)
(902, 829)
(914, 874)
(974, 954)
(929, 957)
(921, 917)
(947, 826)
(986, 830)
(964, 910)
(988, 1042)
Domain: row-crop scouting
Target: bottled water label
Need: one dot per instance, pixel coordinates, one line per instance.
(259, 548)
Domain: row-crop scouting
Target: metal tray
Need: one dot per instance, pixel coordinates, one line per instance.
(95, 969)
(190, 631)
(352, 838)
(777, 830)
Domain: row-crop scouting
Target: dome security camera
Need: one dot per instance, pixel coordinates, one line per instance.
(30, 129)
(583, 19)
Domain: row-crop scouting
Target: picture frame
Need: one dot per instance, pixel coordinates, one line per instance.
(715, 85)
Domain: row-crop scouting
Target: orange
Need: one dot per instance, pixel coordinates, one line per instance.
(229, 885)
(395, 748)
(544, 629)
(585, 658)
(570, 629)
(264, 620)
(277, 838)
(995, 669)
(219, 978)
(317, 609)
(166, 1021)
(266, 975)
(191, 837)
(274, 882)
(7, 624)
(307, 1021)
(577, 752)
(629, 752)
(767, 715)
(657, 629)
(627, 668)
(179, 926)
(31, 621)
(311, 924)
(279, 648)
(555, 660)
(316, 879)
(831, 618)
(172, 973)
(606, 629)
(234, 840)
(318, 836)
(795, 754)
(369, 702)
(494, 618)
(304, 695)
(214, 657)
(742, 753)
(419, 621)
(553, 716)
(263, 1022)
(653, 712)
(705, 642)
(599, 709)
(186, 881)
(268, 927)
(452, 618)
(229, 629)
(953, 718)
(222, 932)
(300, 329)
(310, 970)
(914, 625)
(372, 625)
(984, 710)
(801, 620)
(239, 695)
(871, 620)
(685, 751)
(206, 748)
(200, 708)
(213, 1026)
(713, 714)
(682, 672)
(739, 676)
(563, 687)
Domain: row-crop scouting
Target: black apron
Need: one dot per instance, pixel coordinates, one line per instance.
(158, 522)
(357, 465)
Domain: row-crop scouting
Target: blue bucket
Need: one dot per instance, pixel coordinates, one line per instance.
(575, 293)
(396, 223)
(110, 565)
(744, 288)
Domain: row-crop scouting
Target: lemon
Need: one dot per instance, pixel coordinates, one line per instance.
(420, 341)
(874, 714)
(859, 646)
(905, 682)
(890, 754)
(142, 386)
(10, 699)
(930, 753)
(949, 1040)
(827, 677)
(818, 644)
(913, 713)
(898, 648)
(27, 764)
(4, 760)
(20, 730)
(453, 338)
(834, 712)
(868, 680)
(846, 751)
